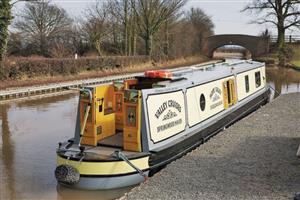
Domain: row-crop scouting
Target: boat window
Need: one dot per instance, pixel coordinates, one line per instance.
(202, 102)
(100, 108)
(257, 79)
(119, 102)
(131, 116)
(247, 83)
(228, 92)
(131, 96)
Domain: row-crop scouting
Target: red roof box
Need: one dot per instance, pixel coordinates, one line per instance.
(158, 74)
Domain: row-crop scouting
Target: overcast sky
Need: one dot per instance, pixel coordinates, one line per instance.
(225, 14)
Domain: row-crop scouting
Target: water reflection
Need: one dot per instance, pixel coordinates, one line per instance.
(7, 158)
(30, 131)
(67, 193)
(283, 80)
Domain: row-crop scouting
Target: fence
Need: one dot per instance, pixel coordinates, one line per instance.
(288, 38)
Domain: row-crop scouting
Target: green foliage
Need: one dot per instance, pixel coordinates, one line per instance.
(5, 19)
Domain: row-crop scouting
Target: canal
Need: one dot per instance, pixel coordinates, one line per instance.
(30, 131)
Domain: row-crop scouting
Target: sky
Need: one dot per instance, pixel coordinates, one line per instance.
(225, 14)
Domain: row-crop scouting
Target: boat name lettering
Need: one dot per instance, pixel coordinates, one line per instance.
(165, 105)
(169, 125)
(216, 105)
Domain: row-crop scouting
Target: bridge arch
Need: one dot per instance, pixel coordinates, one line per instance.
(256, 45)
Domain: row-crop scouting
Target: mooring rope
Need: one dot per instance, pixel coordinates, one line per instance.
(122, 156)
(274, 90)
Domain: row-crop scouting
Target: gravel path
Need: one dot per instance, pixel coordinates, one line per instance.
(253, 159)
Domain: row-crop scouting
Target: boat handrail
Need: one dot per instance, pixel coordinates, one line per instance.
(90, 94)
(239, 62)
(86, 114)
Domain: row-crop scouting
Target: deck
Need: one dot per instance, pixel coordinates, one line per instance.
(253, 159)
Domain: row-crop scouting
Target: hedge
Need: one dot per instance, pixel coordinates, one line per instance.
(16, 68)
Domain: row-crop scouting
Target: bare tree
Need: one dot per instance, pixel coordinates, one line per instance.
(119, 10)
(123, 13)
(188, 33)
(43, 24)
(79, 40)
(284, 14)
(96, 27)
(15, 44)
(151, 15)
(202, 24)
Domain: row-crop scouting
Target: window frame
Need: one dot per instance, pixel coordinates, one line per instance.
(257, 79)
(202, 102)
(247, 85)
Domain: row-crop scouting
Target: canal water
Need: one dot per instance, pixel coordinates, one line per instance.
(30, 131)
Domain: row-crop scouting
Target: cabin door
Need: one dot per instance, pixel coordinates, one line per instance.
(229, 93)
(132, 121)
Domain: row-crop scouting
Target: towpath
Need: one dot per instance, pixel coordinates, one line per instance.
(41, 90)
(253, 159)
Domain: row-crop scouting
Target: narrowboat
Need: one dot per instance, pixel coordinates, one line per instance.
(127, 130)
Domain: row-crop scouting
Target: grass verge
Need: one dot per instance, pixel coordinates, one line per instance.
(296, 57)
(42, 80)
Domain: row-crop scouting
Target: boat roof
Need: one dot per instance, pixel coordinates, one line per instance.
(201, 74)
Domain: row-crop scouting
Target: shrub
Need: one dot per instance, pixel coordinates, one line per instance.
(16, 68)
(285, 55)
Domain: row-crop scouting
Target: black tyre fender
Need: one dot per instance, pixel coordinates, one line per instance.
(67, 174)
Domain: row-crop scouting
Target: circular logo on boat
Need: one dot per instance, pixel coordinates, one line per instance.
(202, 102)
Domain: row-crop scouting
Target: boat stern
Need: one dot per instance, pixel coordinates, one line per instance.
(91, 171)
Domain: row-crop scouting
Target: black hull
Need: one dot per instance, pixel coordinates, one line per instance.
(161, 158)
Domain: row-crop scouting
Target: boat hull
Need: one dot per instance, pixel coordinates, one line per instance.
(103, 174)
(106, 183)
(166, 155)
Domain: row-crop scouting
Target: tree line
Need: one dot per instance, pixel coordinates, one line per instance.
(283, 15)
(157, 28)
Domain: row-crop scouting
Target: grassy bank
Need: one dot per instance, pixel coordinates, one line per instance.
(296, 58)
(272, 58)
(30, 79)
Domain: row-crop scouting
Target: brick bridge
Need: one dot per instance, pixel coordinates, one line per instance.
(256, 45)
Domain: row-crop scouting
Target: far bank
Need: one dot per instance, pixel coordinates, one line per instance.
(292, 54)
(24, 72)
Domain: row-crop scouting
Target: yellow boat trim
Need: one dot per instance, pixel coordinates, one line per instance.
(105, 168)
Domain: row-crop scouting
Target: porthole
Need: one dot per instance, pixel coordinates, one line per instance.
(202, 102)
